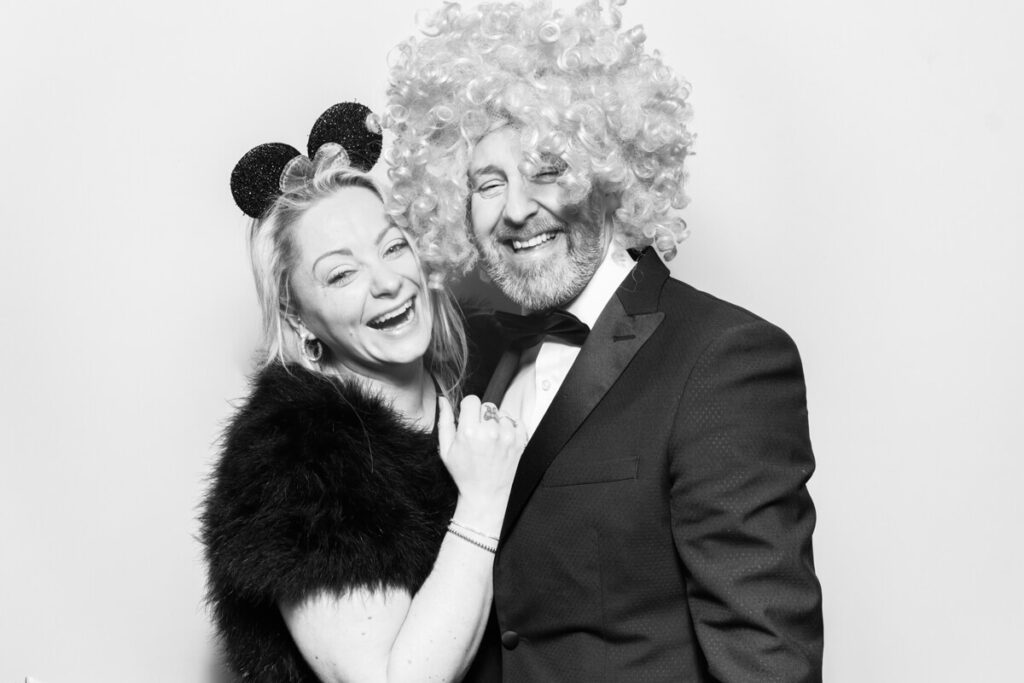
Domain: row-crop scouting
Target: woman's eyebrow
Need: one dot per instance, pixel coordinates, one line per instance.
(344, 251)
(382, 233)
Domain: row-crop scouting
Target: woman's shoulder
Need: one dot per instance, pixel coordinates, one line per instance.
(301, 437)
(279, 393)
(294, 414)
(311, 467)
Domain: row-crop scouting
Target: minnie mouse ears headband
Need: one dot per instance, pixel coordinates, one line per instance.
(267, 170)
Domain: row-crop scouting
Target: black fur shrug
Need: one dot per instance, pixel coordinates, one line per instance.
(318, 487)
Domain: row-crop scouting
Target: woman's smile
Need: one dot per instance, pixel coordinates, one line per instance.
(397, 319)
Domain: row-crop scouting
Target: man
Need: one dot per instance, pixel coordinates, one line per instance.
(659, 526)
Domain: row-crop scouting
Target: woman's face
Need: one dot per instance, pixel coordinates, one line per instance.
(358, 285)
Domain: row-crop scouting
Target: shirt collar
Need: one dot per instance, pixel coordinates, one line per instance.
(613, 269)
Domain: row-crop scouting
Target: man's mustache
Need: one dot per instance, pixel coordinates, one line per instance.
(529, 230)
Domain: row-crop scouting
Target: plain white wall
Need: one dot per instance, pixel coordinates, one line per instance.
(858, 180)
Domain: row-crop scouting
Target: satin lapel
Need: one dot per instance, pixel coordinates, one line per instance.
(506, 369)
(612, 343)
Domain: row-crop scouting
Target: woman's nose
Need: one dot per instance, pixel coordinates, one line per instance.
(384, 280)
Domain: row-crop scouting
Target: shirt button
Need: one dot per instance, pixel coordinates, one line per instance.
(545, 385)
(509, 640)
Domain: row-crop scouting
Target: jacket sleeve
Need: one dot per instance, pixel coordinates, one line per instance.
(741, 514)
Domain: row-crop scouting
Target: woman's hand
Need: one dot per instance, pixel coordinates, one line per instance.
(481, 454)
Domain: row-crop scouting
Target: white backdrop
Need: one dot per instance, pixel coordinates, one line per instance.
(859, 180)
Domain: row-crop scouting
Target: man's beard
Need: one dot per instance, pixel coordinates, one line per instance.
(552, 281)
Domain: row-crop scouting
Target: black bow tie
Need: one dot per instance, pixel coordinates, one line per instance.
(524, 331)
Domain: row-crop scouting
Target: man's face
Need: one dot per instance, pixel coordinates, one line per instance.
(537, 248)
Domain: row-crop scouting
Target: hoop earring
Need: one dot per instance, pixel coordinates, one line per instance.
(311, 349)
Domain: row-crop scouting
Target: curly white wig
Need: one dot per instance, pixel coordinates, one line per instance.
(578, 86)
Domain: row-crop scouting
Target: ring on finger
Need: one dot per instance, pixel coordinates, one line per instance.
(490, 412)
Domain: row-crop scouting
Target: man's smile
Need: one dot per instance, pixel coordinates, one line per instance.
(519, 245)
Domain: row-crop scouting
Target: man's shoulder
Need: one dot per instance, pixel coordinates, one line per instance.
(651, 286)
(703, 317)
(683, 299)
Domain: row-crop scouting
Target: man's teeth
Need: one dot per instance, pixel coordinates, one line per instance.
(383, 319)
(534, 241)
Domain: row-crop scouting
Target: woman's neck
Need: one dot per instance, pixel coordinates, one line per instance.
(410, 391)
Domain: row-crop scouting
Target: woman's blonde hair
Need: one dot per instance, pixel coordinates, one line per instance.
(273, 254)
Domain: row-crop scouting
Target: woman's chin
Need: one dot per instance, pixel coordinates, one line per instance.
(400, 356)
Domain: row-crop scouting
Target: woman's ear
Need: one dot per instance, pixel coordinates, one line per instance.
(295, 322)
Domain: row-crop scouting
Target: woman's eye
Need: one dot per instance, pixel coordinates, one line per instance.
(397, 247)
(340, 277)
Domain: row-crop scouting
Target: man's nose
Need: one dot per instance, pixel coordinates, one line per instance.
(384, 281)
(520, 205)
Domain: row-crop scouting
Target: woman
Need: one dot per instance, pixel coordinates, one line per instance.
(339, 547)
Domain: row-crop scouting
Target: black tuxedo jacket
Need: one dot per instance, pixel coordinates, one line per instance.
(659, 527)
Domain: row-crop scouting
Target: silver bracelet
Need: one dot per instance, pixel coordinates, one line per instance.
(472, 530)
(468, 539)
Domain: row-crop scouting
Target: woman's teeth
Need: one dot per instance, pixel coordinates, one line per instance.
(394, 318)
(518, 245)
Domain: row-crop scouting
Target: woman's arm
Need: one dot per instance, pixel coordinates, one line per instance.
(389, 636)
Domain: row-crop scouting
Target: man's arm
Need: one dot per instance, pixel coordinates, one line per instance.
(741, 514)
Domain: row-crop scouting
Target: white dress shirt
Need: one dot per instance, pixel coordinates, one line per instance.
(544, 366)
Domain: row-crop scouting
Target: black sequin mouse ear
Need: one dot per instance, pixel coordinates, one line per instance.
(256, 179)
(353, 126)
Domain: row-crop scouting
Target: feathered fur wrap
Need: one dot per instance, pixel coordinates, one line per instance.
(319, 487)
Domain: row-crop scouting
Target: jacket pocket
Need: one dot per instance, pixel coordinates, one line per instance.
(591, 472)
